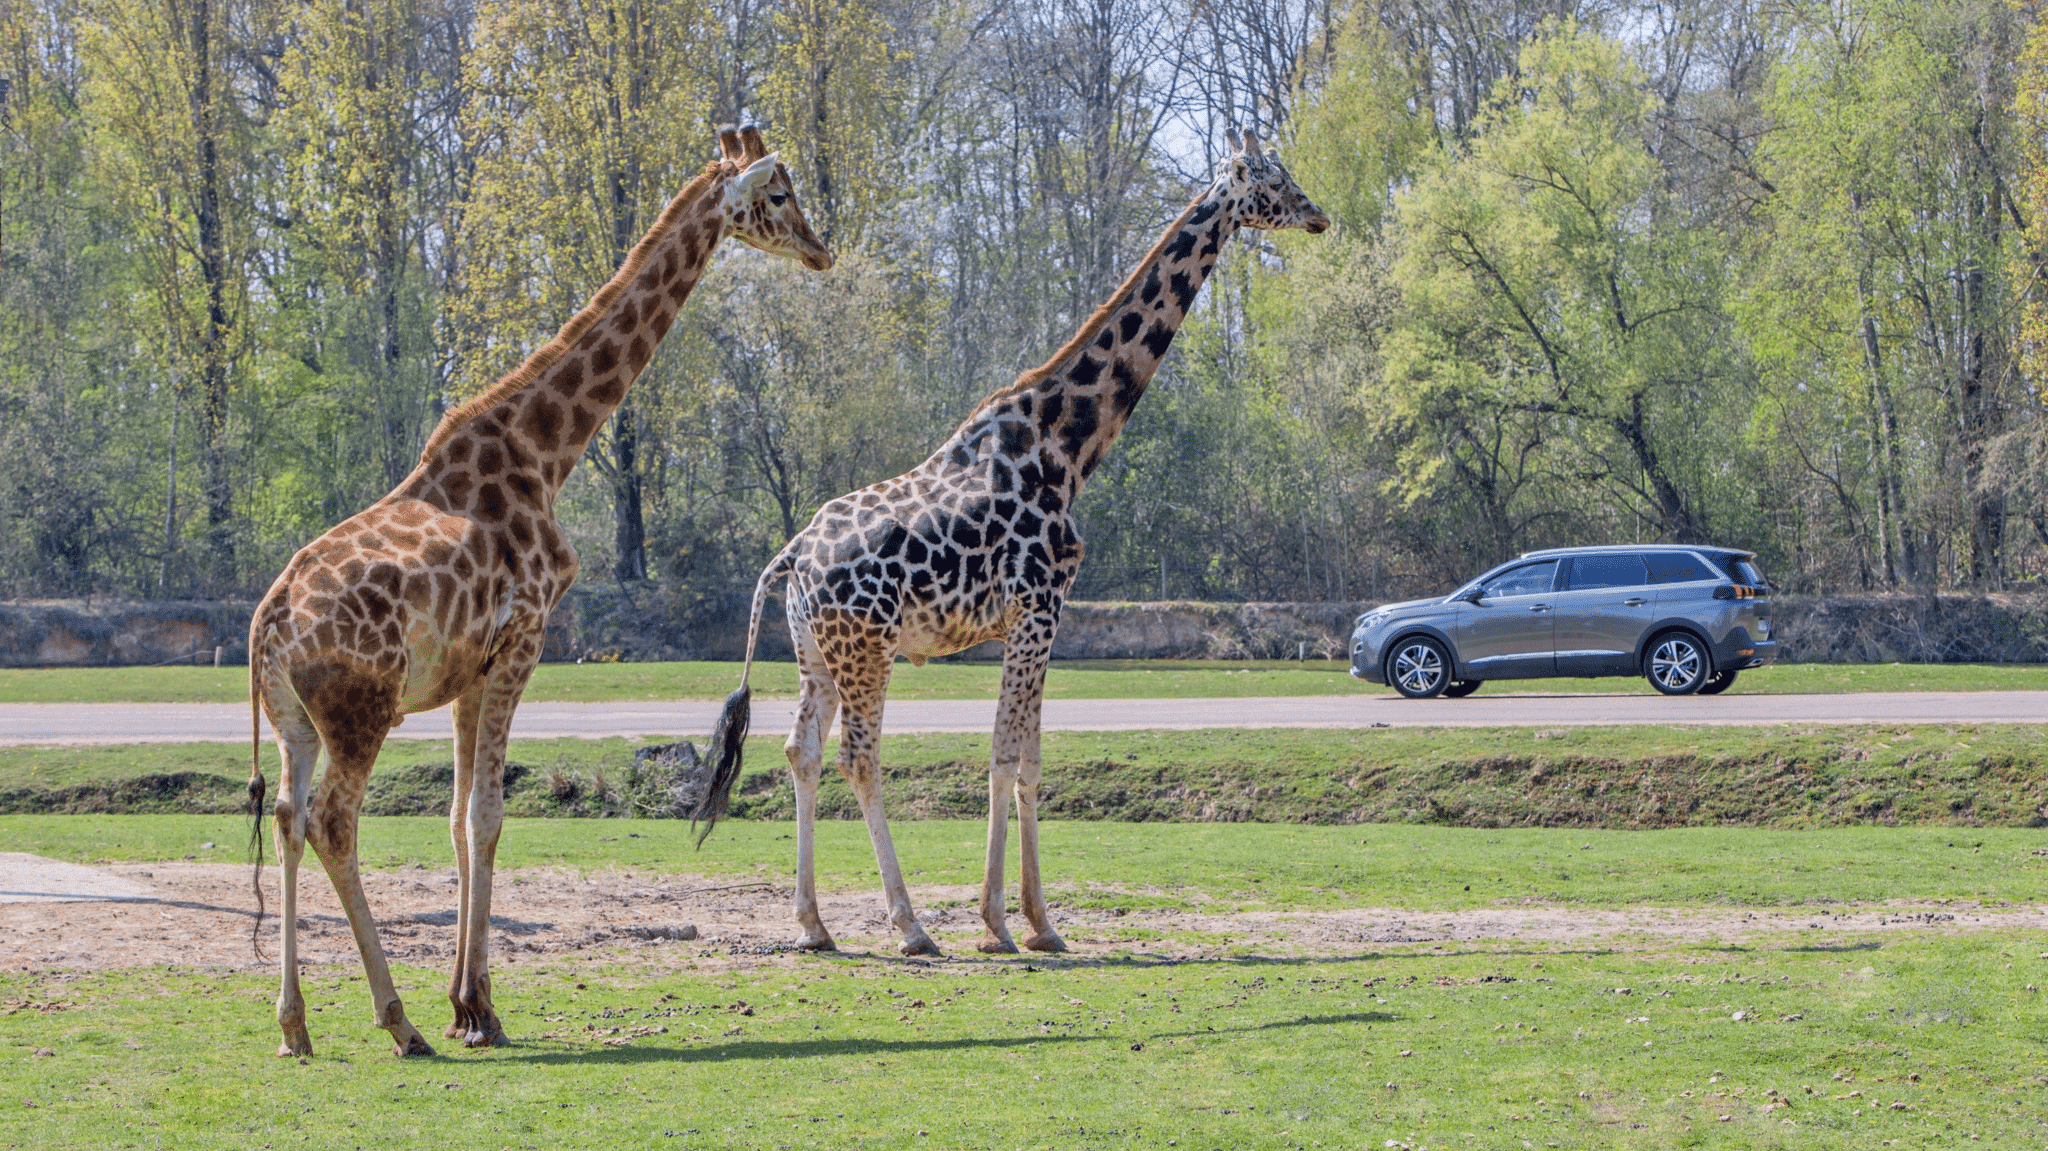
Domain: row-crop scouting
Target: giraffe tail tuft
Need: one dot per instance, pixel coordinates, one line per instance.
(729, 737)
(728, 744)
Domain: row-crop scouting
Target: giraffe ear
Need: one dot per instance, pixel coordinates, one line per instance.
(729, 147)
(757, 174)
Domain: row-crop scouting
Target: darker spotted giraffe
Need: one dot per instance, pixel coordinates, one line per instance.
(441, 590)
(978, 543)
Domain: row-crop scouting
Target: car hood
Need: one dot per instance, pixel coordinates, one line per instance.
(1432, 601)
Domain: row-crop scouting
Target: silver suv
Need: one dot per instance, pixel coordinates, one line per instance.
(1688, 618)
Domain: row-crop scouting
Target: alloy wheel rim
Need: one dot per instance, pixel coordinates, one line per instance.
(1417, 668)
(1675, 663)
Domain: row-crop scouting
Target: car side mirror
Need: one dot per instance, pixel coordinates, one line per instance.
(1474, 595)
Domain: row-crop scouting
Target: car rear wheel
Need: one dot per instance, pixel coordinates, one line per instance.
(1462, 688)
(1678, 664)
(1722, 681)
(1419, 668)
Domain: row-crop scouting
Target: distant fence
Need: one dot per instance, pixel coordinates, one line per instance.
(653, 622)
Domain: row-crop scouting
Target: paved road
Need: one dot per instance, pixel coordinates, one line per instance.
(92, 723)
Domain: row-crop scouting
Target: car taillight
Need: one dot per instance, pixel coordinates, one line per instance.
(1737, 591)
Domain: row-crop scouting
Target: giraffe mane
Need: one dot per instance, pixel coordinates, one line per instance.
(541, 360)
(1093, 326)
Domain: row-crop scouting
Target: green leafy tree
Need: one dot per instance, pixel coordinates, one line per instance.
(1553, 322)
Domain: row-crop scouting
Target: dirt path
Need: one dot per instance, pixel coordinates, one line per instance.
(199, 914)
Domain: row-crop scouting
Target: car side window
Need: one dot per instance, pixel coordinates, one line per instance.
(1593, 572)
(1677, 567)
(1529, 579)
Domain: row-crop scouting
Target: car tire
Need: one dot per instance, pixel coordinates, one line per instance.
(1722, 681)
(1462, 688)
(1677, 663)
(1419, 668)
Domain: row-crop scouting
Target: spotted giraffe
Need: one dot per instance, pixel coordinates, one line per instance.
(978, 543)
(440, 591)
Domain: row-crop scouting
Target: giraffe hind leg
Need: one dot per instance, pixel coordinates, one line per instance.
(859, 659)
(299, 747)
(353, 737)
(816, 706)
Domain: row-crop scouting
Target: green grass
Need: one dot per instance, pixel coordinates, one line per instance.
(1217, 866)
(1618, 1042)
(1927, 1039)
(1621, 777)
(1078, 679)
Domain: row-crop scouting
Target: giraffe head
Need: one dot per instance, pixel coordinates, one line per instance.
(761, 202)
(1265, 195)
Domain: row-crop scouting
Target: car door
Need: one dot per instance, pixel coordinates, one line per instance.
(1601, 614)
(1506, 633)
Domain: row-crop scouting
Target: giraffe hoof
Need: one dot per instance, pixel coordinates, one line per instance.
(413, 1044)
(495, 1037)
(297, 1041)
(822, 941)
(456, 1029)
(996, 945)
(920, 944)
(1045, 941)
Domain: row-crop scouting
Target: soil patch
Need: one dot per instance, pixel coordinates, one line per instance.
(199, 914)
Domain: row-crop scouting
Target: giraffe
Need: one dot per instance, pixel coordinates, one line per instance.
(978, 543)
(440, 591)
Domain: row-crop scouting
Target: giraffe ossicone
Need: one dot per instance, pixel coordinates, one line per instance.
(978, 543)
(440, 591)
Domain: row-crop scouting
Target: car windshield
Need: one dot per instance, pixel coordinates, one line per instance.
(1529, 579)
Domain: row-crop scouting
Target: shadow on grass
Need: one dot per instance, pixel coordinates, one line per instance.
(828, 1048)
(1303, 1021)
(1872, 945)
(796, 1049)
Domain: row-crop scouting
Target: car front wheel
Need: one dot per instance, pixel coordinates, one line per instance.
(1678, 664)
(1462, 688)
(1419, 668)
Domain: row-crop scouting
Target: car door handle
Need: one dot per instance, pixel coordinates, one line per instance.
(1634, 601)
(1539, 607)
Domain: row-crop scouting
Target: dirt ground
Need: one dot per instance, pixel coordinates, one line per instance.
(199, 914)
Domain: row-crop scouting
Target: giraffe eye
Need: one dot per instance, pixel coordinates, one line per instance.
(778, 199)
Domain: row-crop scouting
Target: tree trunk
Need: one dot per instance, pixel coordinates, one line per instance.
(214, 352)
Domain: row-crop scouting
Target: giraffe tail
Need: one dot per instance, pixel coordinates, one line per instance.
(258, 788)
(729, 737)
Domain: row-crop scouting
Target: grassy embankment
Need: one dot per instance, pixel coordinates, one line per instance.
(1808, 1037)
(1619, 777)
(1072, 679)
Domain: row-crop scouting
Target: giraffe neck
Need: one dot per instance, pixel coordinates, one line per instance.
(1086, 393)
(537, 421)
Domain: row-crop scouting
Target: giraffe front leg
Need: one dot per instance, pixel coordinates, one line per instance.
(467, 709)
(806, 750)
(1017, 726)
(1032, 898)
(486, 819)
(1002, 779)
